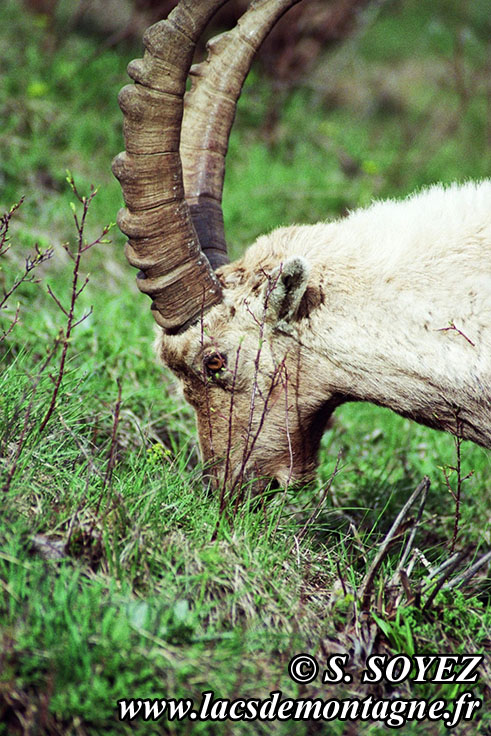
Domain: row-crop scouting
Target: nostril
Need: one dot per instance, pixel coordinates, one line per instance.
(274, 485)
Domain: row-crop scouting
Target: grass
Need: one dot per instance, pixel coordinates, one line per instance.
(112, 583)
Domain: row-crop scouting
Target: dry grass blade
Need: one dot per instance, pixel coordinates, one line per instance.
(320, 503)
(410, 541)
(464, 577)
(26, 424)
(366, 586)
(111, 461)
(48, 548)
(448, 571)
(363, 638)
(112, 452)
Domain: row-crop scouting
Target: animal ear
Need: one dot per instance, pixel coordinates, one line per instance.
(285, 289)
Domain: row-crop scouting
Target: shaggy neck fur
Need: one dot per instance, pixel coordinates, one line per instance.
(405, 314)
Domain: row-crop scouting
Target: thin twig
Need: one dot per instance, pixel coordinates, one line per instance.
(53, 295)
(112, 450)
(4, 226)
(249, 448)
(206, 384)
(90, 462)
(287, 428)
(13, 322)
(31, 263)
(255, 387)
(76, 290)
(230, 418)
(453, 328)
(456, 495)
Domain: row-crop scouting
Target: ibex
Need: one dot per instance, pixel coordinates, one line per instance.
(391, 305)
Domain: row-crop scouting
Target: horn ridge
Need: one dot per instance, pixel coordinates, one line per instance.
(209, 112)
(163, 242)
(173, 168)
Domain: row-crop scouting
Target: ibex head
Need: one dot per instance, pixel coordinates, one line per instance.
(245, 371)
(311, 316)
(218, 321)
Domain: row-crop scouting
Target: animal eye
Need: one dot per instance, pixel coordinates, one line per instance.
(215, 363)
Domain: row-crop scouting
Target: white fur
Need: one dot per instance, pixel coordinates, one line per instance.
(394, 308)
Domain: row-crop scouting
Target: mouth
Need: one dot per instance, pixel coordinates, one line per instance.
(254, 487)
(245, 485)
(256, 492)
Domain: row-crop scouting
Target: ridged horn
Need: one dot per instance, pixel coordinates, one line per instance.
(209, 111)
(175, 226)
(163, 243)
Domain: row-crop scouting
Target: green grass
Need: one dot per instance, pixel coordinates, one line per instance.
(118, 577)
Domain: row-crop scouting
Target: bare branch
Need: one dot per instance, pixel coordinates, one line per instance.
(13, 322)
(4, 226)
(76, 290)
(60, 305)
(456, 329)
(83, 317)
(30, 264)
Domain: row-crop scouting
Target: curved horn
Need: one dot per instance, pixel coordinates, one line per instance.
(160, 221)
(209, 111)
(162, 240)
